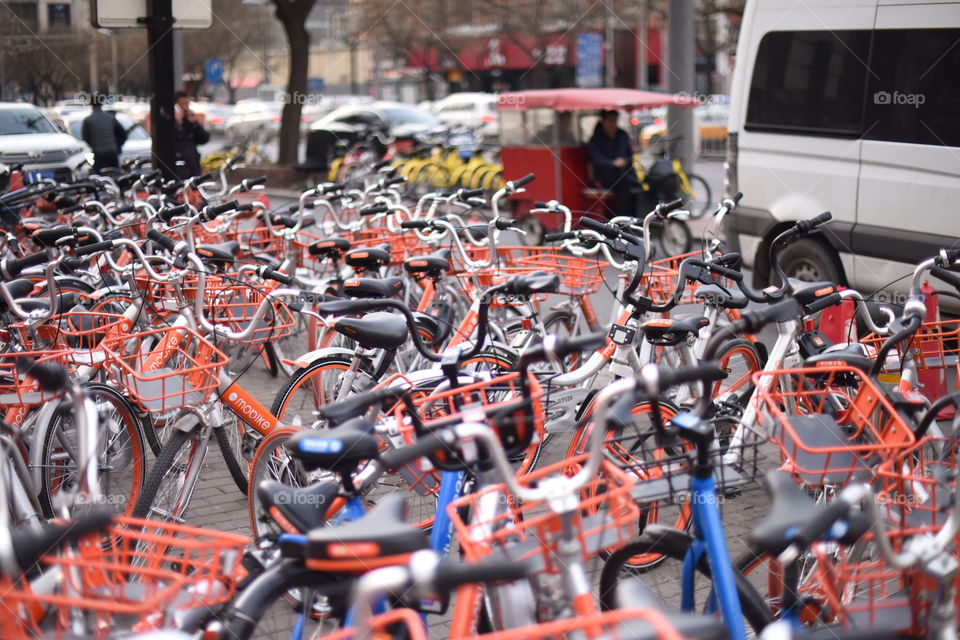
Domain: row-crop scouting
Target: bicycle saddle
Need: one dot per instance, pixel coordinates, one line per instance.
(329, 247)
(381, 538)
(368, 258)
(222, 253)
(435, 263)
(378, 330)
(807, 292)
(669, 331)
(850, 355)
(339, 449)
(373, 287)
(297, 509)
(531, 283)
(717, 296)
(791, 508)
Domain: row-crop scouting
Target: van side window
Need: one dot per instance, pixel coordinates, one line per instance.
(915, 96)
(809, 82)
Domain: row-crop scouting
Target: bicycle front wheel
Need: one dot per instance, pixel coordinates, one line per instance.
(699, 198)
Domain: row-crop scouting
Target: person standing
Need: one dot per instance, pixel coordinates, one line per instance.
(612, 158)
(190, 134)
(104, 135)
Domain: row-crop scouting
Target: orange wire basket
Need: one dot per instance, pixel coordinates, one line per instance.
(578, 276)
(935, 346)
(660, 281)
(256, 240)
(135, 575)
(830, 423)
(918, 484)
(606, 517)
(166, 369)
(864, 593)
(73, 330)
(512, 407)
(612, 625)
(235, 306)
(18, 390)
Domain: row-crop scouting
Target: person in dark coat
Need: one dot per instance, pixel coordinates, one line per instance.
(611, 156)
(190, 134)
(104, 135)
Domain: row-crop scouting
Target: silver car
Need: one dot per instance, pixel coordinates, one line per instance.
(27, 137)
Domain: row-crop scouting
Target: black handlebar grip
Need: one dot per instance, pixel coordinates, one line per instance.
(415, 224)
(950, 278)
(731, 260)
(330, 188)
(127, 208)
(96, 247)
(666, 207)
(170, 213)
(601, 228)
(540, 205)
(161, 240)
(50, 376)
(463, 194)
(753, 321)
(527, 179)
(823, 303)
(394, 180)
(702, 373)
(253, 182)
(559, 236)
(213, 212)
(568, 346)
(373, 210)
(11, 268)
(203, 177)
(51, 235)
(824, 217)
(273, 274)
(449, 576)
(726, 272)
(737, 197)
(424, 446)
(74, 208)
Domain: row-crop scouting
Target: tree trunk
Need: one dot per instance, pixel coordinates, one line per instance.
(299, 42)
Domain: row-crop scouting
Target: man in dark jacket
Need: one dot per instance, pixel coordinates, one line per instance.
(104, 135)
(612, 158)
(190, 133)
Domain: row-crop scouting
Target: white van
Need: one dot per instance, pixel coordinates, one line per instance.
(853, 107)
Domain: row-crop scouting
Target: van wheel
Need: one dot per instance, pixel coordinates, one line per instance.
(810, 261)
(535, 231)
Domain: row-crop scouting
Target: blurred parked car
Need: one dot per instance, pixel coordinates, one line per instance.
(253, 120)
(28, 137)
(138, 144)
(402, 121)
(710, 124)
(215, 116)
(474, 110)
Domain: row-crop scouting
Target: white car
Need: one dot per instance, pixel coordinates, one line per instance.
(253, 120)
(137, 147)
(474, 110)
(27, 137)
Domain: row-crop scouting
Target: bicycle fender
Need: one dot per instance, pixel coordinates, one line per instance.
(105, 291)
(44, 420)
(312, 356)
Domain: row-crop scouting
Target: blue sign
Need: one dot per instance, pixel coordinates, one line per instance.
(315, 85)
(213, 71)
(589, 60)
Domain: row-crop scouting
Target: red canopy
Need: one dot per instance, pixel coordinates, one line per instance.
(582, 99)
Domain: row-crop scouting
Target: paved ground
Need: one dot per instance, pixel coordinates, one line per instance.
(217, 503)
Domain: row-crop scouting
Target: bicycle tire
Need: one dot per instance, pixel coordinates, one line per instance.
(137, 454)
(163, 465)
(702, 205)
(743, 385)
(237, 472)
(296, 381)
(674, 544)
